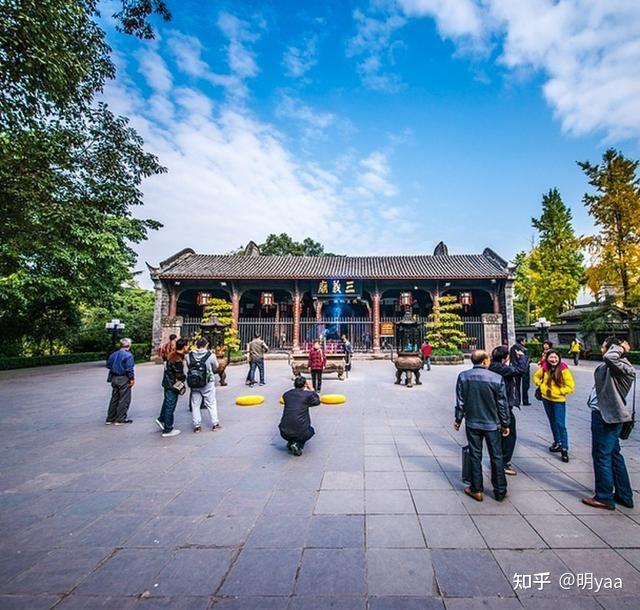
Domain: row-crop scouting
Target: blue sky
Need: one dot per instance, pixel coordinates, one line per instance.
(376, 127)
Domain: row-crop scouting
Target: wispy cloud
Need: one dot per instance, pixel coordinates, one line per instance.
(298, 60)
(587, 50)
(314, 123)
(233, 177)
(372, 45)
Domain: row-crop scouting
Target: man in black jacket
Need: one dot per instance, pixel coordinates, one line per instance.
(511, 373)
(481, 399)
(295, 425)
(525, 380)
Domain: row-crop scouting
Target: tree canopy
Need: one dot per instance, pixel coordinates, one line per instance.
(615, 208)
(281, 245)
(70, 170)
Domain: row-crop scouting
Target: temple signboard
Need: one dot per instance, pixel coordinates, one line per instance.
(337, 288)
(386, 329)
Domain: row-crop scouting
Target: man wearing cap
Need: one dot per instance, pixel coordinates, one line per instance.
(122, 376)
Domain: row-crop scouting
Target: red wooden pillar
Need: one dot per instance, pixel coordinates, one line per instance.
(235, 308)
(375, 298)
(296, 321)
(173, 302)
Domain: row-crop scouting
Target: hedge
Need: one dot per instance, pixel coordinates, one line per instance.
(21, 362)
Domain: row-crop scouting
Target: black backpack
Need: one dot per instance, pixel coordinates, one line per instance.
(197, 375)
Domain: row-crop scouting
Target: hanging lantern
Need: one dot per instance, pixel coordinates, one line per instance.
(406, 299)
(466, 299)
(203, 298)
(266, 299)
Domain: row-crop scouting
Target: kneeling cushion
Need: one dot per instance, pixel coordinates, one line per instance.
(332, 399)
(249, 401)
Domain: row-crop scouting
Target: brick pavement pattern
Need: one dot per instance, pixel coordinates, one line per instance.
(372, 515)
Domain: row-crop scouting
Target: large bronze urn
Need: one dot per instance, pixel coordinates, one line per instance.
(407, 360)
(214, 330)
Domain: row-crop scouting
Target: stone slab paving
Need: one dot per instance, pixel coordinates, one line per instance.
(372, 515)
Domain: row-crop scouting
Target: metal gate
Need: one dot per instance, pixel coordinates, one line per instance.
(278, 335)
(359, 331)
(474, 330)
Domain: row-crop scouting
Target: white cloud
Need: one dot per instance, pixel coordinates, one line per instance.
(299, 60)
(240, 56)
(154, 70)
(587, 50)
(313, 123)
(233, 178)
(373, 47)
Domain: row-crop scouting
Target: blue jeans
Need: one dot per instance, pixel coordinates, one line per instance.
(608, 464)
(168, 407)
(253, 365)
(557, 414)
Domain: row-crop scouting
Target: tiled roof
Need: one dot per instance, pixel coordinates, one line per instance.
(208, 266)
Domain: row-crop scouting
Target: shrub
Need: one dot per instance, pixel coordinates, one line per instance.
(21, 362)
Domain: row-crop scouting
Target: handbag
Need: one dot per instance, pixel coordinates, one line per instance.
(538, 394)
(627, 426)
(466, 464)
(180, 387)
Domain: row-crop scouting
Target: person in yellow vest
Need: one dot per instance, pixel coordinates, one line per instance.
(574, 349)
(555, 382)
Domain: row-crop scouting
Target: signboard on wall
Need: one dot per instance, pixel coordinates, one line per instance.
(337, 288)
(386, 329)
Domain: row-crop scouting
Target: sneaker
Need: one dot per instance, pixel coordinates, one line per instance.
(555, 448)
(108, 422)
(499, 497)
(173, 432)
(510, 470)
(196, 429)
(262, 383)
(295, 449)
(288, 446)
(216, 427)
(124, 421)
(160, 424)
(623, 502)
(564, 455)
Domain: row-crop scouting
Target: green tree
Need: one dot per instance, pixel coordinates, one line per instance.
(615, 208)
(444, 325)
(281, 245)
(525, 303)
(556, 264)
(222, 309)
(70, 171)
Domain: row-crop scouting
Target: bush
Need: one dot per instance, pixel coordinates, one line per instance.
(141, 351)
(634, 357)
(21, 362)
(442, 351)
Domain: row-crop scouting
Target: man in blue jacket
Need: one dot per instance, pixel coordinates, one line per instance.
(122, 375)
(481, 399)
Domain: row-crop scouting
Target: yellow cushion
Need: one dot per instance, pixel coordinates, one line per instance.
(332, 399)
(249, 401)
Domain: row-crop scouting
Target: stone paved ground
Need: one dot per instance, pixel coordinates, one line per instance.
(372, 513)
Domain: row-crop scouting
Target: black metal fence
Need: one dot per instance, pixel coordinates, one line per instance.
(279, 334)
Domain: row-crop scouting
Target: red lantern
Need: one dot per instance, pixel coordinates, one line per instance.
(203, 298)
(466, 299)
(406, 299)
(266, 299)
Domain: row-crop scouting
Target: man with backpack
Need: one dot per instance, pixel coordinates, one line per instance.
(201, 363)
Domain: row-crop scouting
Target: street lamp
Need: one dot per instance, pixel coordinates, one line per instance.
(114, 327)
(543, 326)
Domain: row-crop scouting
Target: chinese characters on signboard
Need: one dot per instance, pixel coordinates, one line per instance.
(338, 288)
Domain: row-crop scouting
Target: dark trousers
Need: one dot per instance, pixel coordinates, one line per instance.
(525, 380)
(316, 380)
(120, 398)
(612, 478)
(494, 446)
(509, 442)
(168, 407)
(253, 365)
(300, 439)
(576, 358)
(426, 360)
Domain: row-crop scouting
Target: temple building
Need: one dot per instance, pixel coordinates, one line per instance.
(291, 300)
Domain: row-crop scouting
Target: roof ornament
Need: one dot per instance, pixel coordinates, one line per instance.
(441, 250)
(252, 249)
(495, 258)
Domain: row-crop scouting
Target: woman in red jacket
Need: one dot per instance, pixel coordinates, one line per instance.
(316, 363)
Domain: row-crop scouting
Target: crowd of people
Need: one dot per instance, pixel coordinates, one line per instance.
(488, 393)
(486, 397)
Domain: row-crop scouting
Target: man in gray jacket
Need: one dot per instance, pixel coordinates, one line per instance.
(481, 399)
(614, 380)
(256, 350)
(201, 363)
